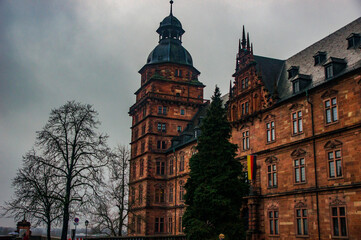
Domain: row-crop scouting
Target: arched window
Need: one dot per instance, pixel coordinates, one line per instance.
(141, 167)
(181, 162)
(181, 190)
(140, 194)
(159, 194)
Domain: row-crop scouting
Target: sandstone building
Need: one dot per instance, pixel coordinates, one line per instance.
(300, 117)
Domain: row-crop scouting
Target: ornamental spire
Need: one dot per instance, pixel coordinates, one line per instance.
(248, 47)
(171, 7)
(243, 39)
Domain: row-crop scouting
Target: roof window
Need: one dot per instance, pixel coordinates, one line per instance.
(292, 71)
(334, 66)
(320, 58)
(353, 40)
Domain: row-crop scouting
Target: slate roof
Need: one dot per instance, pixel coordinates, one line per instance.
(335, 45)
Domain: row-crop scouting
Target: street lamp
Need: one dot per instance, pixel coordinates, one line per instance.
(86, 228)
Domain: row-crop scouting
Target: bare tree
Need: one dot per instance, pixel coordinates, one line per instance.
(75, 152)
(35, 188)
(111, 209)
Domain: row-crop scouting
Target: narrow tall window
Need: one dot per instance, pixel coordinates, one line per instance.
(164, 145)
(141, 167)
(329, 71)
(181, 191)
(159, 225)
(302, 222)
(164, 110)
(334, 163)
(245, 140)
(164, 129)
(159, 127)
(144, 112)
(296, 86)
(180, 224)
(142, 147)
(143, 129)
(160, 167)
(271, 132)
(339, 225)
(139, 224)
(178, 73)
(272, 175)
(300, 170)
(181, 163)
(182, 111)
(134, 170)
(170, 194)
(159, 195)
(140, 194)
(170, 225)
(133, 195)
(273, 222)
(160, 109)
(331, 110)
(297, 126)
(171, 166)
(246, 108)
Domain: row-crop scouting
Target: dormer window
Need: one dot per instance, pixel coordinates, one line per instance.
(329, 71)
(334, 66)
(292, 71)
(296, 86)
(320, 57)
(301, 82)
(353, 40)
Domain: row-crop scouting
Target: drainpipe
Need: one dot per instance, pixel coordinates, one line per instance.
(175, 192)
(315, 164)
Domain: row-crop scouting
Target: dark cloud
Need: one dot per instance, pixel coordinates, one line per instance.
(91, 51)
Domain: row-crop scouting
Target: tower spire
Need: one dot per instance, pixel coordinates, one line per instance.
(252, 48)
(243, 39)
(171, 7)
(239, 46)
(230, 88)
(248, 47)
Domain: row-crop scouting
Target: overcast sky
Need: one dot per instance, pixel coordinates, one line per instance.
(91, 50)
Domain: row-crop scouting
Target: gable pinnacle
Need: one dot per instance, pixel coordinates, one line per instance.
(248, 47)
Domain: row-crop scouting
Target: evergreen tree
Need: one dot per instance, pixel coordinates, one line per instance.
(216, 184)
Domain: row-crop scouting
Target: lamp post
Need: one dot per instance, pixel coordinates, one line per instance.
(86, 228)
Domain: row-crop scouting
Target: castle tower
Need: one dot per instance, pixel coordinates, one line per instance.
(168, 98)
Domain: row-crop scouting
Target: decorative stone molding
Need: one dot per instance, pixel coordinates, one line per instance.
(272, 159)
(300, 204)
(295, 106)
(298, 152)
(329, 93)
(333, 144)
(336, 202)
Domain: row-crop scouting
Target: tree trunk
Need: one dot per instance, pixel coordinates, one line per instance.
(64, 232)
(48, 230)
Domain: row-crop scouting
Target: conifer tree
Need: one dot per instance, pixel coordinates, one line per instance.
(216, 184)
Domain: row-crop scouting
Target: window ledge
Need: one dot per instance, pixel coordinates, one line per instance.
(297, 134)
(335, 178)
(333, 123)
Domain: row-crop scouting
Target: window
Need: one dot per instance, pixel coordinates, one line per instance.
(297, 127)
(135, 150)
(170, 225)
(136, 118)
(339, 225)
(132, 227)
(329, 71)
(245, 108)
(160, 165)
(133, 195)
(300, 170)
(182, 111)
(159, 195)
(142, 147)
(134, 170)
(271, 134)
(181, 190)
(331, 110)
(135, 134)
(170, 194)
(320, 58)
(292, 71)
(140, 194)
(181, 163)
(171, 166)
(245, 83)
(301, 222)
(245, 140)
(162, 110)
(179, 129)
(272, 175)
(178, 73)
(143, 129)
(353, 40)
(296, 86)
(273, 222)
(180, 224)
(159, 225)
(144, 112)
(334, 163)
(161, 144)
(161, 127)
(139, 224)
(141, 167)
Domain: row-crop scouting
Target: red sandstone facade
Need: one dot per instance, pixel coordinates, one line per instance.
(302, 122)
